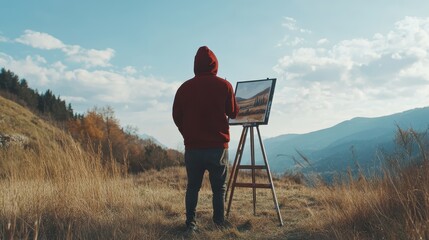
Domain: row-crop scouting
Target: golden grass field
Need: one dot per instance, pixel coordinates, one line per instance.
(248, 104)
(52, 189)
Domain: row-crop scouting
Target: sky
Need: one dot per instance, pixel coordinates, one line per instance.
(333, 60)
(248, 89)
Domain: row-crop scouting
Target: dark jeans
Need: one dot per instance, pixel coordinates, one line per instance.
(197, 161)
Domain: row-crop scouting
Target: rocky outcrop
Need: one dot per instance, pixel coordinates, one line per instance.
(7, 140)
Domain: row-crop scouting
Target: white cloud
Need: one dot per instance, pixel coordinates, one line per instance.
(292, 25)
(93, 87)
(40, 40)
(34, 68)
(288, 41)
(93, 58)
(77, 54)
(355, 77)
(130, 70)
(5, 59)
(322, 41)
(74, 99)
(292, 38)
(109, 86)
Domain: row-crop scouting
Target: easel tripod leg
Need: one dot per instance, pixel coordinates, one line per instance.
(234, 172)
(270, 179)
(237, 156)
(252, 158)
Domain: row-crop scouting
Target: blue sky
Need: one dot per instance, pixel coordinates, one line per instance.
(333, 60)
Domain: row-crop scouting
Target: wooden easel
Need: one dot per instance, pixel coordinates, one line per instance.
(237, 166)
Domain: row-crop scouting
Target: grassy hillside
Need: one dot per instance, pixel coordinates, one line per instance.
(28, 142)
(51, 189)
(14, 119)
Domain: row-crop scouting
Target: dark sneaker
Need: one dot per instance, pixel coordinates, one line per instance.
(191, 230)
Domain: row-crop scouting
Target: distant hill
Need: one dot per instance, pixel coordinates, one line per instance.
(152, 139)
(341, 146)
(239, 99)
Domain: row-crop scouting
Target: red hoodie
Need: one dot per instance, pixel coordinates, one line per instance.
(203, 103)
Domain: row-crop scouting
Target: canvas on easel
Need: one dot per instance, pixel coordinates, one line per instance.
(254, 99)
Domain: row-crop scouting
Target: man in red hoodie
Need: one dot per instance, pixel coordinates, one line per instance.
(201, 109)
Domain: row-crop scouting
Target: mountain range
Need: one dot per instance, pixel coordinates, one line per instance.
(335, 149)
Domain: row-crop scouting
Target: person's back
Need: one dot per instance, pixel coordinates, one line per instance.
(202, 104)
(201, 109)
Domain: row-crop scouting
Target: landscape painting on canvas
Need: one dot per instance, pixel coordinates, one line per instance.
(254, 99)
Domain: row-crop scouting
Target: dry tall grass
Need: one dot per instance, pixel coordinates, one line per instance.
(47, 190)
(66, 193)
(51, 189)
(392, 206)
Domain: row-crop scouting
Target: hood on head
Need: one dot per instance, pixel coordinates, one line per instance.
(205, 61)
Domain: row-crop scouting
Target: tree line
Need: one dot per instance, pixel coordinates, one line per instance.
(97, 130)
(45, 103)
(262, 100)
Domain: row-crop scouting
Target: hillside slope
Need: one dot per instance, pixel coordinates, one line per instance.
(32, 148)
(51, 189)
(19, 126)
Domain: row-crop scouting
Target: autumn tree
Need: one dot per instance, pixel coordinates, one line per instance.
(100, 129)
